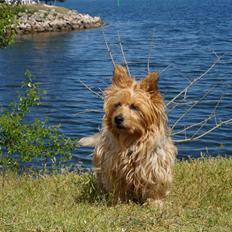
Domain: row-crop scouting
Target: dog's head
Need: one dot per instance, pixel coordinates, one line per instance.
(133, 108)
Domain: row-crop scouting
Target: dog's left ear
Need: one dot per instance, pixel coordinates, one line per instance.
(121, 78)
(150, 82)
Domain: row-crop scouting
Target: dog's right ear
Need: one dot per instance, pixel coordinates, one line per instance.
(150, 82)
(121, 78)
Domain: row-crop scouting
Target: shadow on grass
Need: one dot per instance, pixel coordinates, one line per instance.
(90, 192)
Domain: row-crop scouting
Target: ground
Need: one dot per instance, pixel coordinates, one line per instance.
(200, 200)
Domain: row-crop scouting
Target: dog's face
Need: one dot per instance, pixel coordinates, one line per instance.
(132, 108)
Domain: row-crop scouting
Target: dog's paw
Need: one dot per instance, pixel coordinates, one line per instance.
(158, 203)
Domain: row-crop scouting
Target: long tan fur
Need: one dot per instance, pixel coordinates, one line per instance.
(134, 159)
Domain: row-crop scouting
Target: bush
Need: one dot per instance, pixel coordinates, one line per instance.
(7, 18)
(21, 142)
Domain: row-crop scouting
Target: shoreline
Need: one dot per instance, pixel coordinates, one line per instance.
(45, 18)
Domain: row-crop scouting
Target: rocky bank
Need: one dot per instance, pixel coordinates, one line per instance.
(53, 21)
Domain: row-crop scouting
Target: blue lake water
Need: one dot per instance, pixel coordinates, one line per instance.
(185, 36)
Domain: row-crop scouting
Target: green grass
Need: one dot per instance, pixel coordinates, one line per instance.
(36, 7)
(201, 200)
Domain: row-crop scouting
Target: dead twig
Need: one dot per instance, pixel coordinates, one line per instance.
(91, 90)
(107, 46)
(202, 123)
(123, 54)
(184, 91)
(184, 130)
(165, 69)
(212, 114)
(89, 111)
(194, 105)
(191, 139)
(149, 52)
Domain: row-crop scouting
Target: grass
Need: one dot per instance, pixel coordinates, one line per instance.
(36, 7)
(201, 200)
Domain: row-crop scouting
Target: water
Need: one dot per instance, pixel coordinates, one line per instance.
(184, 35)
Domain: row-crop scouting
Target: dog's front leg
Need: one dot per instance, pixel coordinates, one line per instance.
(90, 141)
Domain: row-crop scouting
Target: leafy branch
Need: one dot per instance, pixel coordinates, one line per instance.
(21, 141)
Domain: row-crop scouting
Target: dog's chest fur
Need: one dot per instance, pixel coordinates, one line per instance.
(142, 167)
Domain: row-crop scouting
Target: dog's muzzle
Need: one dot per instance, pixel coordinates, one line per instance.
(119, 120)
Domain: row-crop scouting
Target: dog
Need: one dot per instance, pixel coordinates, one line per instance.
(134, 153)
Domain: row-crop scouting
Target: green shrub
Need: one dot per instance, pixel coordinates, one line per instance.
(20, 141)
(7, 18)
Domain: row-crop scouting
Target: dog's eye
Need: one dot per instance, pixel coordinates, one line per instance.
(133, 107)
(117, 105)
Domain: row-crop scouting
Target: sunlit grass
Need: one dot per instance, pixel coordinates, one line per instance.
(201, 200)
(36, 7)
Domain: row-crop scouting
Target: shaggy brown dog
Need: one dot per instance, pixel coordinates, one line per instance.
(134, 153)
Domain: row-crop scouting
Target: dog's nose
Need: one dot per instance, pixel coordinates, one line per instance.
(119, 119)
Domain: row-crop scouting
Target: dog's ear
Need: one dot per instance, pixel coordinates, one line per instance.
(121, 78)
(150, 82)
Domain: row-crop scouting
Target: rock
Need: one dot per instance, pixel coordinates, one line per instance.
(75, 26)
(37, 17)
(50, 20)
(39, 27)
(52, 12)
(20, 14)
(42, 11)
(18, 30)
(46, 26)
(50, 17)
(42, 15)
